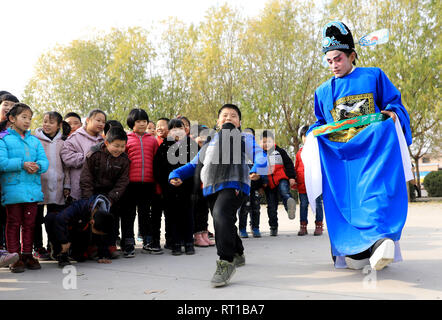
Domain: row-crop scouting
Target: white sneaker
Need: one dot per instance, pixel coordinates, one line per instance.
(7, 258)
(356, 264)
(291, 208)
(383, 254)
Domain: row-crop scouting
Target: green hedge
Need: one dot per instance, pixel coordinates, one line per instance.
(433, 184)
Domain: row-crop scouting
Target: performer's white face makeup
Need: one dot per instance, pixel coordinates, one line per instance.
(339, 63)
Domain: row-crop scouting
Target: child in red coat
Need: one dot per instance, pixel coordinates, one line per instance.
(141, 148)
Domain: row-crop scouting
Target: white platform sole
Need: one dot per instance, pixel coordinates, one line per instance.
(383, 255)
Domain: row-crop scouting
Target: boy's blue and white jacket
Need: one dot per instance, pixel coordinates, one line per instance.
(18, 186)
(226, 165)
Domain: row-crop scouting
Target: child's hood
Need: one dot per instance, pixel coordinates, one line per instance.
(40, 135)
(3, 134)
(81, 133)
(101, 202)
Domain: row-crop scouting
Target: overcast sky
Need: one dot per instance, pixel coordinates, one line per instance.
(31, 27)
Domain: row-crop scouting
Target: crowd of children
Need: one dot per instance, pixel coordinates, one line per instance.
(93, 179)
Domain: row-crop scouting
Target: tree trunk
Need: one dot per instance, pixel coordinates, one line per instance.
(418, 176)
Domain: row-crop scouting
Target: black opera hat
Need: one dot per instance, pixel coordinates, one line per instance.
(336, 36)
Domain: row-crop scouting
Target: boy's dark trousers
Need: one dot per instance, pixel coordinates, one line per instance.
(137, 198)
(150, 225)
(272, 196)
(252, 206)
(79, 240)
(180, 215)
(39, 220)
(224, 206)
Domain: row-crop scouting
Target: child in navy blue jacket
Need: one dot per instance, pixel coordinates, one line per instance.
(78, 228)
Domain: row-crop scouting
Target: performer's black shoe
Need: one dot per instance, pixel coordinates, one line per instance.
(358, 261)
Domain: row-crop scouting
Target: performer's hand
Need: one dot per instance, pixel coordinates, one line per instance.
(176, 182)
(292, 182)
(390, 114)
(254, 176)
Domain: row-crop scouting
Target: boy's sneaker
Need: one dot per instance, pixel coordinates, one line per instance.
(152, 248)
(273, 232)
(256, 233)
(382, 254)
(176, 250)
(291, 208)
(145, 249)
(189, 248)
(129, 253)
(146, 240)
(224, 272)
(63, 260)
(239, 260)
(243, 233)
(7, 258)
(42, 254)
(129, 250)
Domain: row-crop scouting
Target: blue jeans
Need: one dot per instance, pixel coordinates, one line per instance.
(304, 208)
(283, 190)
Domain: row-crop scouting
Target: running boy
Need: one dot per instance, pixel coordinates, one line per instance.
(226, 177)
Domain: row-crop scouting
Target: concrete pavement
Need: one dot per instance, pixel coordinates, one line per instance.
(286, 267)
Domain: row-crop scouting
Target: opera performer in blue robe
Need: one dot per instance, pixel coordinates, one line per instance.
(361, 171)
